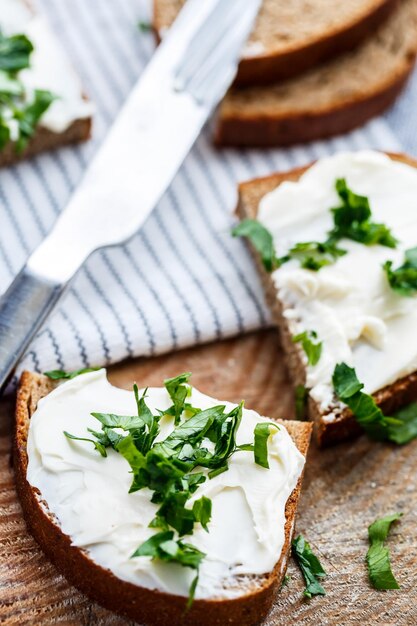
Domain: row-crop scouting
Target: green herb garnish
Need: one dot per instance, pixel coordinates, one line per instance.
(403, 280)
(314, 255)
(352, 220)
(377, 557)
(311, 347)
(401, 428)
(61, 375)
(262, 241)
(262, 434)
(310, 566)
(178, 390)
(301, 397)
(16, 109)
(164, 547)
(145, 27)
(15, 53)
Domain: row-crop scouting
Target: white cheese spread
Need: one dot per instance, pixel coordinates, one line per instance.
(50, 67)
(88, 494)
(358, 317)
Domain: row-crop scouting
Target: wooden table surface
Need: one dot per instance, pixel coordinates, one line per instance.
(345, 489)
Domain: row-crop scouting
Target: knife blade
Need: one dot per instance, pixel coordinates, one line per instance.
(156, 128)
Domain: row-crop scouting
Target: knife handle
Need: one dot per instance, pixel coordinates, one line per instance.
(23, 309)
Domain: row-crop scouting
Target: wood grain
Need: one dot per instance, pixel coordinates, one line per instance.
(345, 489)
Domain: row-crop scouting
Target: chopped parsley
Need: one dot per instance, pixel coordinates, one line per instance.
(377, 557)
(145, 27)
(310, 566)
(262, 241)
(401, 428)
(62, 375)
(301, 397)
(171, 468)
(20, 111)
(311, 347)
(352, 220)
(403, 280)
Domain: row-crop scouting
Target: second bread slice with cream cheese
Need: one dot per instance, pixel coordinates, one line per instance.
(77, 505)
(357, 316)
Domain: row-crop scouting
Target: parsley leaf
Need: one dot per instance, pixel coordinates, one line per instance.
(310, 566)
(403, 280)
(314, 255)
(15, 52)
(352, 220)
(301, 398)
(202, 511)
(163, 547)
(61, 375)
(262, 433)
(262, 241)
(145, 27)
(401, 428)
(178, 392)
(30, 114)
(98, 445)
(311, 348)
(377, 557)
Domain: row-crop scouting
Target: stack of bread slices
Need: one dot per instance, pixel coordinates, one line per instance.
(313, 68)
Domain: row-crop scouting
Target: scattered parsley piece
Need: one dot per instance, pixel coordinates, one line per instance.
(145, 27)
(202, 511)
(377, 557)
(310, 566)
(314, 255)
(178, 390)
(401, 428)
(97, 444)
(310, 346)
(403, 280)
(29, 115)
(352, 220)
(301, 397)
(15, 53)
(61, 375)
(163, 547)
(262, 241)
(262, 433)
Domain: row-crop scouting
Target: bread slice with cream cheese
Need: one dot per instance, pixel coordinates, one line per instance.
(146, 605)
(336, 423)
(68, 118)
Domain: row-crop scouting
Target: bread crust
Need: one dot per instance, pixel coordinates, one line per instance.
(143, 605)
(266, 68)
(44, 140)
(390, 398)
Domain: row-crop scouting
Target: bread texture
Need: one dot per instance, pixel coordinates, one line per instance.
(330, 99)
(44, 140)
(143, 605)
(390, 398)
(294, 35)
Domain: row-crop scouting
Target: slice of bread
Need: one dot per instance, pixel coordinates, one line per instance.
(143, 605)
(331, 99)
(294, 35)
(44, 138)
(344, 425)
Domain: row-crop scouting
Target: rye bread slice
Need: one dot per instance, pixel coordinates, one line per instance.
(44, 139)
(143, 605)
(330, 99)
(390, 398)
(292, 36)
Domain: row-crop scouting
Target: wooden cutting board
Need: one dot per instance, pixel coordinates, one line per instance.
(345, 489)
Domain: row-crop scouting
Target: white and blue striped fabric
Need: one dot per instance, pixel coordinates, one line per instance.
(182, 280)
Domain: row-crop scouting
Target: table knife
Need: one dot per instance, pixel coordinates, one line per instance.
(156, 128)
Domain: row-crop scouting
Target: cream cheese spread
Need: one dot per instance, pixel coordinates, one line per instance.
(50, 67)
(88, 494)
(358, 317)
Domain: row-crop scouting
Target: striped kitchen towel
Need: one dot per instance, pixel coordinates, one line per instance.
(182, 280)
